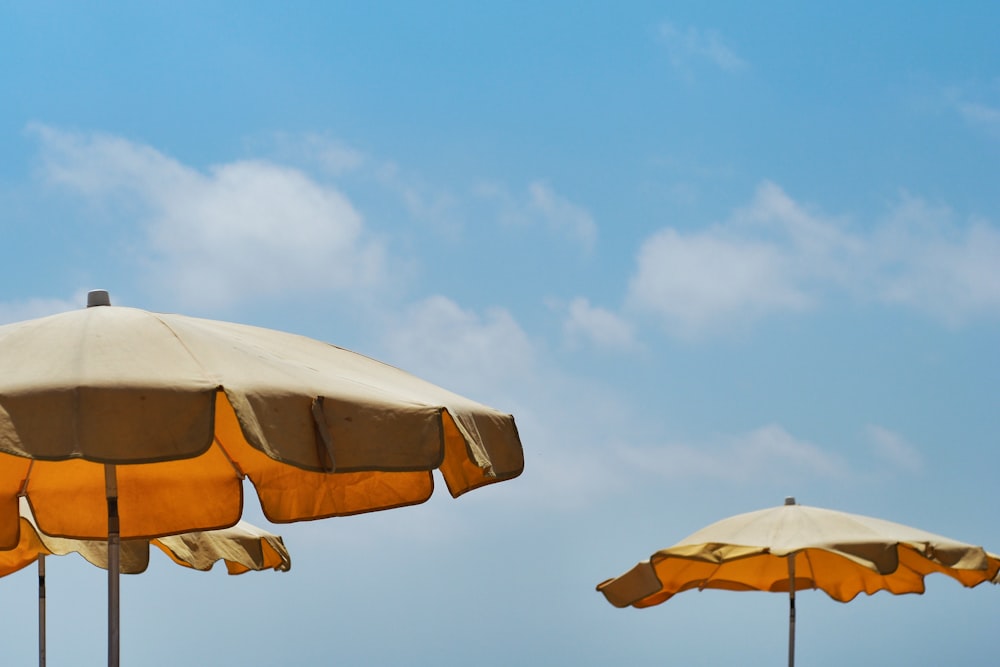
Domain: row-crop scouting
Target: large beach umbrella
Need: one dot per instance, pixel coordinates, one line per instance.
(794, 547)
(243, 547)
(118, 423)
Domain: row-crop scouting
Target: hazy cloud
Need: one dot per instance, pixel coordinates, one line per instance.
(768, 452)
(236, 231)
(334, 156)
(437, 338)
(562, 215)
(597, 325)
(691, 45)
(970, 103)
(982, 115)
(926, 261)
(894, 449)
(487, 356)
(543, 207)
(438, 206)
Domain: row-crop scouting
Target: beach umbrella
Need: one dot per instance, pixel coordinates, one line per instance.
(243, 547)
(119, 423)
(794, 547)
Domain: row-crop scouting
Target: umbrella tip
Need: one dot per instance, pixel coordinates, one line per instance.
(98, 297)
(789, 500)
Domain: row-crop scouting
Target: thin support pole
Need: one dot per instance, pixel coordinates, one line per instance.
(114, 545)
(791, 610)
(41, 610)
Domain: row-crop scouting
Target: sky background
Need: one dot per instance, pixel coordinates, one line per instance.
(707, 256)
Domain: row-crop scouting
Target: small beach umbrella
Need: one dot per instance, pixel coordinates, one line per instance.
(243, 547)
(794, 547)
(118, 423)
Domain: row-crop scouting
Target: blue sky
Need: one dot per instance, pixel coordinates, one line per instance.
(707, 256)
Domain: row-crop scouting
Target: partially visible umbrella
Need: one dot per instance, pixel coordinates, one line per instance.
(242, 548)
(795, 547)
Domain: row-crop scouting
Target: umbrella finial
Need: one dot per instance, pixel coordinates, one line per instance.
(789, 500)
(98, 297)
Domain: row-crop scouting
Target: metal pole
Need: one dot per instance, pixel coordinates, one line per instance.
(41, 610)
(114, 544)
(791, 610)
(790, 500)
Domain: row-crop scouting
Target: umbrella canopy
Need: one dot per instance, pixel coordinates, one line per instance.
(795, 547)
(243, 547)
(169, 413)
(121, 423)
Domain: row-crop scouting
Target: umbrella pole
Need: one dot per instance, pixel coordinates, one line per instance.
(791, 610)
(41, 610)
(114, 544)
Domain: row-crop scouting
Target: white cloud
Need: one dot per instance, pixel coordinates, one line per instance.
(770, 256)
(597, 325)
(711, 280)
(242, 230)
(685, 45)
(894, 449)
(774, 255)
(769, 452)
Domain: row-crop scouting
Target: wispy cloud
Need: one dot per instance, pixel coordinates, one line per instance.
(982, 115)
(438, 206)
(542, 206)
(459, 347)
(486, 355)
(446, 209)
(925, 260)
(237, 231)
(893, 449)
(562, 215)
(597, 325)
(977, 105)
(334, 156)
(774, 255)
(769, 452)
(687, 46)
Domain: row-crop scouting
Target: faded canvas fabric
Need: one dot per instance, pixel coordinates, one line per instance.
(184, 408)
